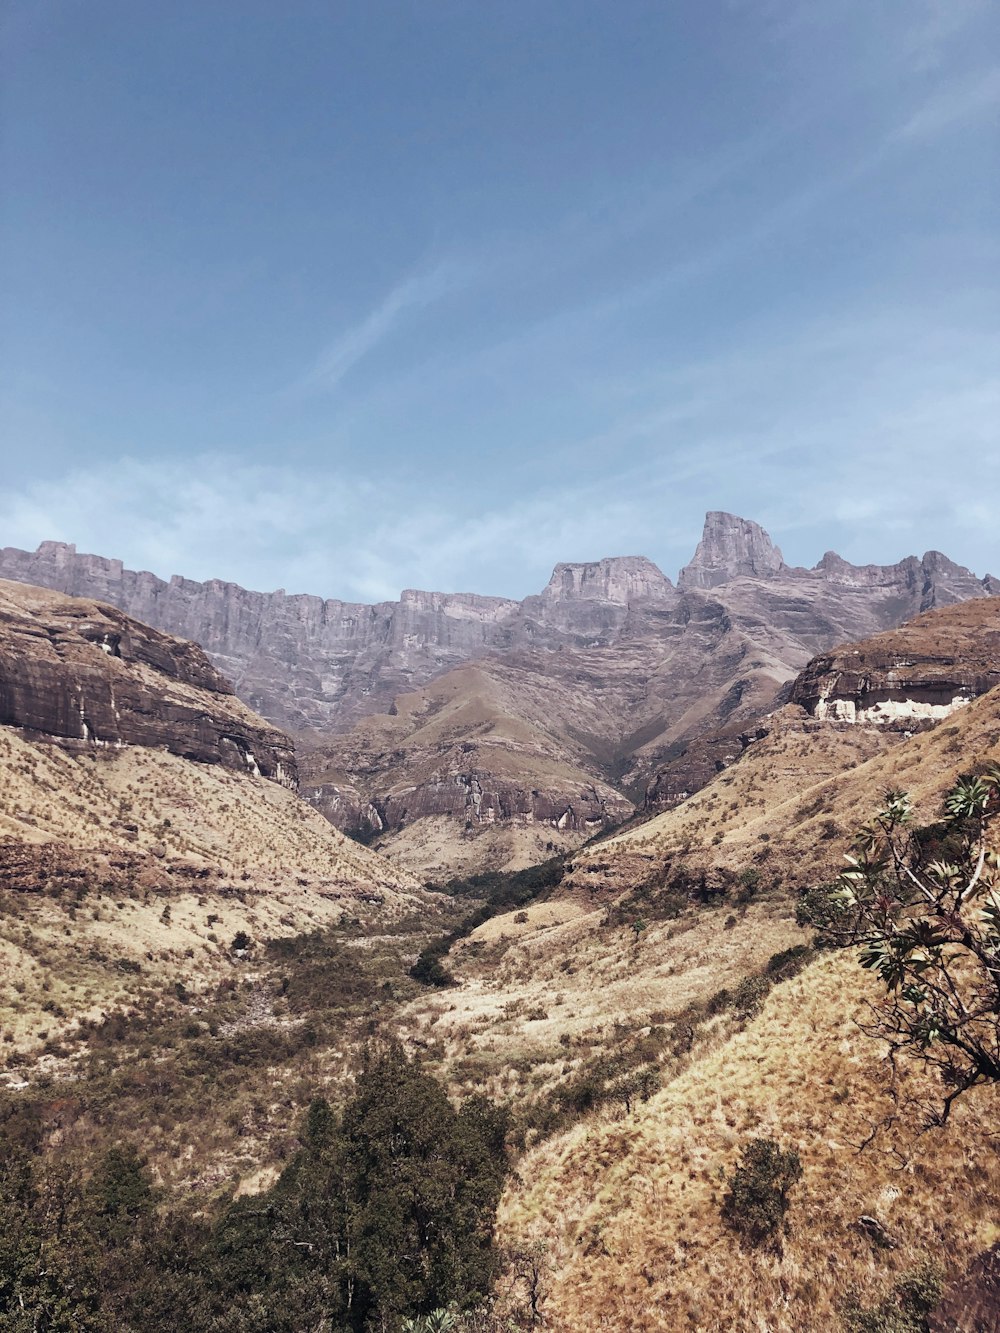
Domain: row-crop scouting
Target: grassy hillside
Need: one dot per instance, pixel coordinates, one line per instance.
(188, 956)
(627, 1209)
(790, 803)
(124, 872)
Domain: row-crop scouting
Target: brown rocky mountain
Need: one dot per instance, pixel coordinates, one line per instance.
(656, 931)
(912, 708)
(580, 697)
(908, 677)
(77, 672)
(135, 781)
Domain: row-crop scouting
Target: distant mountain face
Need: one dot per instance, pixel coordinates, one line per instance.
(580, 695)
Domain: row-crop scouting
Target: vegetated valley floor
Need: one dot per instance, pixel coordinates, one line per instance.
(644, 1018)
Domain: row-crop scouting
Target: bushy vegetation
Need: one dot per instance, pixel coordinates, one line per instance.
(757, 1199)
(904, 1310)
(501, 891)
(384, 1213)
(923, 905)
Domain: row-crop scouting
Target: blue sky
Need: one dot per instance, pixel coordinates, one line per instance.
(346, 297)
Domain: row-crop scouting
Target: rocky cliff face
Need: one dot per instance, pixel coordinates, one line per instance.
(303, 662)
(794, 613)
(730, 548)
(609, 680)
(910, 677)
(88, 676)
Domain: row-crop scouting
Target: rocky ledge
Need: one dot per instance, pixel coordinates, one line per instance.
(85, 675)
(477, 797)
(909, 677)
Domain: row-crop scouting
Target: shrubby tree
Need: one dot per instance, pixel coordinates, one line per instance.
(923, 904)
(757, 1200)
(385, 1213)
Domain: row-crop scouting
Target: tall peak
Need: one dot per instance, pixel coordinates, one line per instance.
(730, 548)
(620, 579)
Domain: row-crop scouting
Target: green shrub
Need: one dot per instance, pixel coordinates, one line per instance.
(757, 1199)
(904, 1310)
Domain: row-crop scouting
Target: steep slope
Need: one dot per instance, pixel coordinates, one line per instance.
(77, 672)
(795, 792)
(628, 977)
(310, 664)
(911, 676)
(624, 1214)
(138, 833)
(683, 676)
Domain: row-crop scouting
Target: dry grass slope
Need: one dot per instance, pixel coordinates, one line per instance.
(166, 861)
(628, 1210)
(791, 802)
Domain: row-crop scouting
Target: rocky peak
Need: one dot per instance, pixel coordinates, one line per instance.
(617, 579)
(730, 548)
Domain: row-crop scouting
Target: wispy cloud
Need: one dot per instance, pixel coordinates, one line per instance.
(954, 105)
(340, 356)
(935, 25)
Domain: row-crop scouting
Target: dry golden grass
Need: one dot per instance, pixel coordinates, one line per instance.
(147, 799)
(792, 801)
(537, 996)
(628, 1210)
(438, 847)
(212, 853)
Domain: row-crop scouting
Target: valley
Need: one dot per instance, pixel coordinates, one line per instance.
(460, 732)
(194, 960)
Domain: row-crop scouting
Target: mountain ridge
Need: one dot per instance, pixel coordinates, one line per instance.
(608, 682)
(312, 664)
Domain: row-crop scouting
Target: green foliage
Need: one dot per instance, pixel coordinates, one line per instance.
(904, 1310)
(438, 1321)
(789, 962)
(385, 1213)
(502, 891)
(428, 969)
(123, 1193)
(923, 907)
(321, 972)
(509, 888)
(817, 907)
(749, 881)
(757, 1199)
(749, 996)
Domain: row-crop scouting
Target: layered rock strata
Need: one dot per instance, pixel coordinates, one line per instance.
(88, 676)
(609, 680)
(910, 677)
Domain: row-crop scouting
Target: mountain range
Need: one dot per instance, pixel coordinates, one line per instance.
(459, 730)
(190, 953)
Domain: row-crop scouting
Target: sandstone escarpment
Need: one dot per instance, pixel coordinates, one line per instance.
(611, 680)
(303, 662)
(911, 677)
(730, 548)
(314, 665)
(90, 677)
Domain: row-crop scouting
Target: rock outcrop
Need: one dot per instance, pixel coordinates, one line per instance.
(910, 677)
(90, 677)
